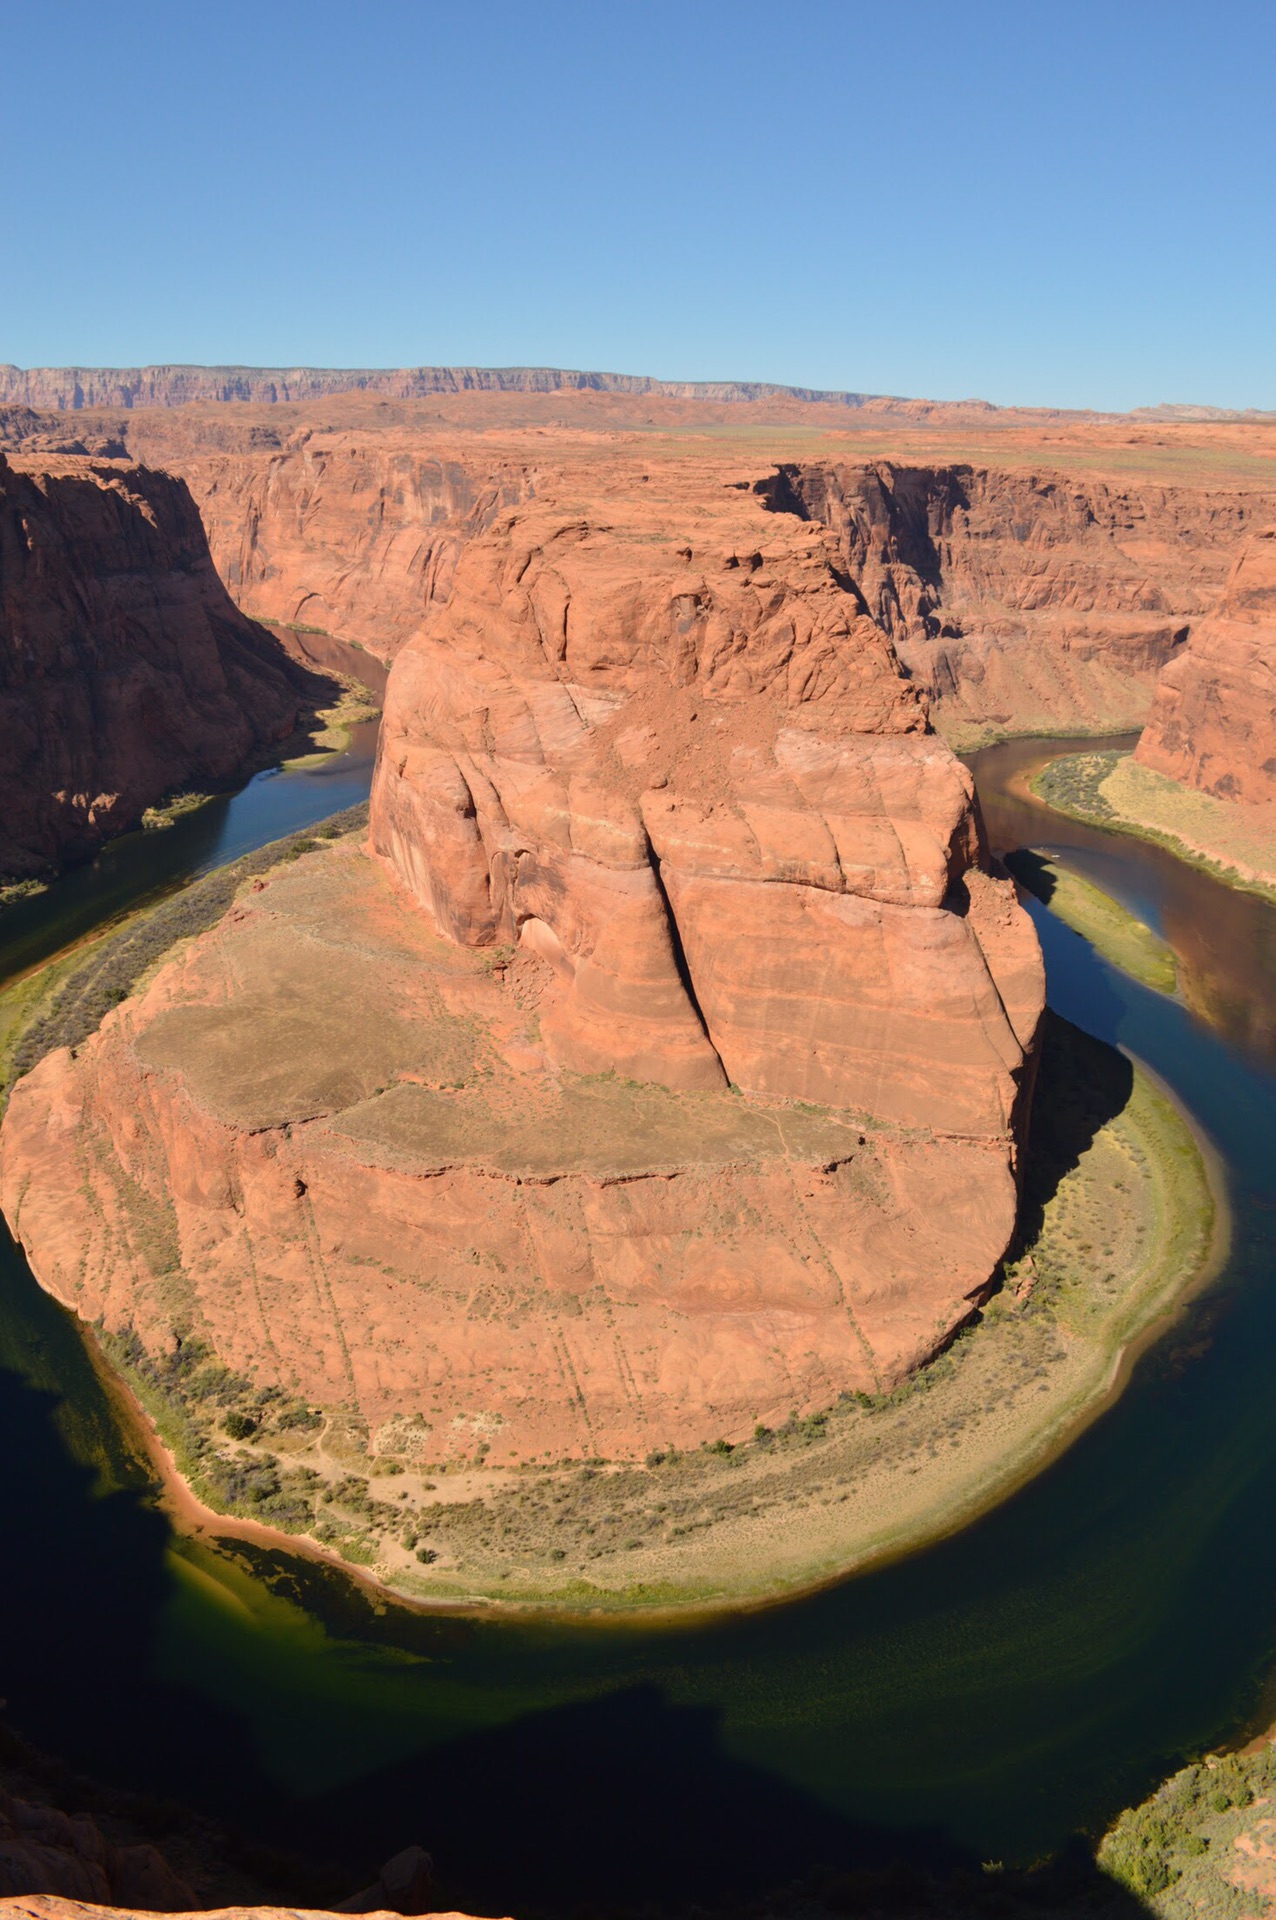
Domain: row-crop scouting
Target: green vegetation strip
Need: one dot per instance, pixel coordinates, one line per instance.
(1117, 933)
(66, 1001)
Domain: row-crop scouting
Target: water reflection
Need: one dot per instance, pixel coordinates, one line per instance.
(1225, 940)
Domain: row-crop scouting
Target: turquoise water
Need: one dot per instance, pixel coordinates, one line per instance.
(982, 1700)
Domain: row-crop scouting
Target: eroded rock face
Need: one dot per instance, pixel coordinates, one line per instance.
(1213, 721)
(125, 669)
(661, 1075)
(351, 536)
(698, 788)
(1026, 601)
(45, 1852)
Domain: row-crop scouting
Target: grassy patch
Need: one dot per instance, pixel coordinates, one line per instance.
(1111, 790)
(165, 812)
(1117, 933)
(332, 735)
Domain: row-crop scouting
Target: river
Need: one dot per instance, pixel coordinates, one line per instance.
(982, 1700)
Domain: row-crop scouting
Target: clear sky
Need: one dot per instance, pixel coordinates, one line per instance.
(1055, 201)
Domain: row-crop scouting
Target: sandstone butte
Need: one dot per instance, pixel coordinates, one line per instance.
(663, 1070)
(125, 667)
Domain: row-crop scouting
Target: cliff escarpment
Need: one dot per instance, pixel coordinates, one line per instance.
(1213, 721)
(353, 536)
(662, 1074)
(125, 668)
(1026, 601)
(70, 389)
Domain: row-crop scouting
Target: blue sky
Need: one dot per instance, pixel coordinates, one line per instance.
(1042, 203)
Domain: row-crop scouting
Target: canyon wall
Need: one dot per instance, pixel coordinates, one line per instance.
(1026, 601)
(355, 536)
(1213, 721)
(125, 668)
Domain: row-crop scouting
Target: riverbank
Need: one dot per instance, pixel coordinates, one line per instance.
(1112, 930)
(1111, 790)
(1124, 1214)
(1205, 1841)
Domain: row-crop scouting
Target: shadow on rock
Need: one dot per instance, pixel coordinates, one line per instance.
(1082, 1084)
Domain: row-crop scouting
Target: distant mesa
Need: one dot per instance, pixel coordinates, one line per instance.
(64, 389)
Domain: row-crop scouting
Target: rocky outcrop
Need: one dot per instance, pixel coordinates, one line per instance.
(1022, 601)
(44, 1851)
(693, 782)
(53, 1906)
(663, 1073)
(1213, 721)
(125, 668)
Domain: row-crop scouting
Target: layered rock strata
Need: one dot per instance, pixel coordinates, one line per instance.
(125, 668)
(1213, 720)
(661, 1075)
(1022, 601)
(73, 388)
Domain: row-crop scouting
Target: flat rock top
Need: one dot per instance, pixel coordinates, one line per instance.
(326, 996)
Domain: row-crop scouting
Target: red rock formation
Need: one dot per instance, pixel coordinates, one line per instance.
(690, 1098)
(125, 669)
(1024, 600)
(44, 1851)
(51, 1906)
(694, 783)
(1213, 721)
(353, 536)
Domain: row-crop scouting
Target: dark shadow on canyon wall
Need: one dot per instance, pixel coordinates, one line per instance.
(1033, 871)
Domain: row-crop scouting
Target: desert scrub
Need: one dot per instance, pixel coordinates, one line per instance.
(78, 996)
(165, 812)
(1178, 1851)
(1071, 786)
(1114, 791)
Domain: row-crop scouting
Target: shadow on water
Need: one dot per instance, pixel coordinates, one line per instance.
(627, 1798)
(87, 1582)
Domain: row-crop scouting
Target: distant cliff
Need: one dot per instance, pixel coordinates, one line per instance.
(1213, 722)
(125, 668)
(67, 388)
